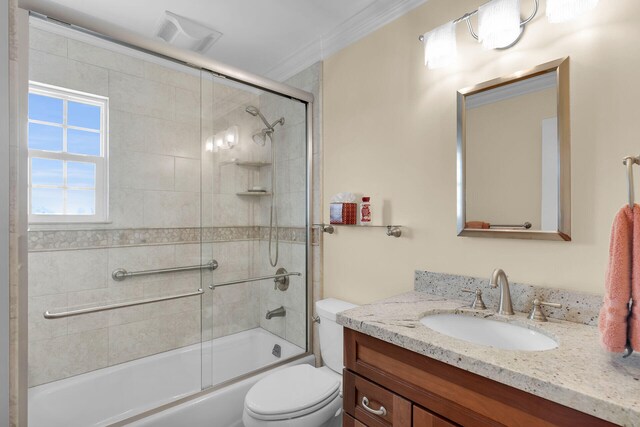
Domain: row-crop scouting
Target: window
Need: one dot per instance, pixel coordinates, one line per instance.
(67, 155)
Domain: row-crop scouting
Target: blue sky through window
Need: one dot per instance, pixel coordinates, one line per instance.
(45, 108)
(83, 115)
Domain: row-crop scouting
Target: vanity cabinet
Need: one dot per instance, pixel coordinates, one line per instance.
(416, 390)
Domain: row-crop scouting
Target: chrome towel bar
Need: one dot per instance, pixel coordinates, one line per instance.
(629, 161)
(526, 226)
(61, 314)
(120, 274)
(277, 278)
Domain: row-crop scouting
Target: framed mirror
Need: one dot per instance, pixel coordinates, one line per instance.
(513, 158)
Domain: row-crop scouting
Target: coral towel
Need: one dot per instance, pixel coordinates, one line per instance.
(613, 321)
(634, 319)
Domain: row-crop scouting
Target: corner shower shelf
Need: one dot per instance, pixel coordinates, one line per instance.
(392, 230)
(254, 193)
(246, 163)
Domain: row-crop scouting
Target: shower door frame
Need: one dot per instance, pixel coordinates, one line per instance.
(64, 16)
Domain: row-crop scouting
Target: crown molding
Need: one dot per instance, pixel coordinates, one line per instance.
(358, 26)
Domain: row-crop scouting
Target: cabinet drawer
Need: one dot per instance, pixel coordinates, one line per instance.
(424, 418)
(373, 405)
(349, 421)
(460, 396)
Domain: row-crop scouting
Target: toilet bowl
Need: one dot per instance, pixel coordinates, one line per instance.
(303, 396)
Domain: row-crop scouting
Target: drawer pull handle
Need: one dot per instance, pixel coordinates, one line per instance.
(380, 412)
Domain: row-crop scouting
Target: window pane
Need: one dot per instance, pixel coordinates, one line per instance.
(43, 137)
(81, 202)
(81, 142)
(46, 172)
(83, 115)
(47, 201)
(45, 108)
(80, 174)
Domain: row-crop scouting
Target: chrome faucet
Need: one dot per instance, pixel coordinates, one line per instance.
(500, 278)
(278, 312)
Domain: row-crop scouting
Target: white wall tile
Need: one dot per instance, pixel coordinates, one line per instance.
(41, 328)
(142, 171)
(140, 96)
(59, 71)
(127, 131)
(187, 175)
(105, 58)
(171, 209)
(61, 357)
(125, 209)
(47, 42)
(185, 80)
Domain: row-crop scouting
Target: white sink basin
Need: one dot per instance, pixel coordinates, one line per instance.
(492, 333)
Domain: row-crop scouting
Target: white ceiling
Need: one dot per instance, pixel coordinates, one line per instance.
(273, 38)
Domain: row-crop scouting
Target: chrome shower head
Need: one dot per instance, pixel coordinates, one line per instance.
(252, 110)
(261, 136)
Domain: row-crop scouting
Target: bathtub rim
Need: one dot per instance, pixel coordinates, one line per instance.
(199, 394)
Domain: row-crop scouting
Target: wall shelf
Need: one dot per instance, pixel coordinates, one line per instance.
(392, 230)
(254, 193)
(247, 163)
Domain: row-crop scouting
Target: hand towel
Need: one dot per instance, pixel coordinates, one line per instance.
(613, 321)
(634, 319)
(477, 225)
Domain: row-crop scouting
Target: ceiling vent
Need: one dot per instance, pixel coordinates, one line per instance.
(185, 33)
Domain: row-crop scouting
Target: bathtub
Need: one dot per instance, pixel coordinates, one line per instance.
(108, 395)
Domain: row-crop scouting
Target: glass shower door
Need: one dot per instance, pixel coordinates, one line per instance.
(254, 214)
(124, 315)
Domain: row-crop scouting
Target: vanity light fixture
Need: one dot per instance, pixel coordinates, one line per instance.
(440, 46)
(499, 23)
(499, 27)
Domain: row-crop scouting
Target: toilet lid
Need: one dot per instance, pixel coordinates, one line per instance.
(296, 390)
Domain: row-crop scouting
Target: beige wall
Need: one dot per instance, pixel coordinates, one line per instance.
(390, 131)
(504, 158)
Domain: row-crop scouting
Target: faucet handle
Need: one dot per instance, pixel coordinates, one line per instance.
(477, 303)
(536, 311)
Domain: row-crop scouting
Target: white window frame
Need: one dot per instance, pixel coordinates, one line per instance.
(101, 162)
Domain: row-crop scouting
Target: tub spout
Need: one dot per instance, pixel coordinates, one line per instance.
(278, 312)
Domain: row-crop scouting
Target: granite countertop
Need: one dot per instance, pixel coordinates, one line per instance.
(577, 374)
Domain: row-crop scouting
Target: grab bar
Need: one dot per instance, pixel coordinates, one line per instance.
(120, 274)
(49, 315)
(277, 278)
(526, 226)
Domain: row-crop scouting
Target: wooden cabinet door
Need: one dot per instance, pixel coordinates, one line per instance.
(424, 418)
(373, 405)
(349, 421)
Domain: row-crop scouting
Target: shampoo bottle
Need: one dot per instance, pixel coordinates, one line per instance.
(365, 211)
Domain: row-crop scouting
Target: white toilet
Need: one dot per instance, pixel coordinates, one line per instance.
(303, 396)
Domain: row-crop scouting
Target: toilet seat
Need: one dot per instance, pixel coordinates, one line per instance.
(291, 392)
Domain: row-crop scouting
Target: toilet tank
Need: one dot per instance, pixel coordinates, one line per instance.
(330, 332)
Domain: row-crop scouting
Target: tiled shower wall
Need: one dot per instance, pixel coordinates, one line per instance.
(291, 204)
(155, 214)
(155, 204)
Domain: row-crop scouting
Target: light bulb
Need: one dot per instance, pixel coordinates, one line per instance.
(566, 10)
(208, 146)
(499, 23)
(218, 140)
(440, 46)
(231, 136)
